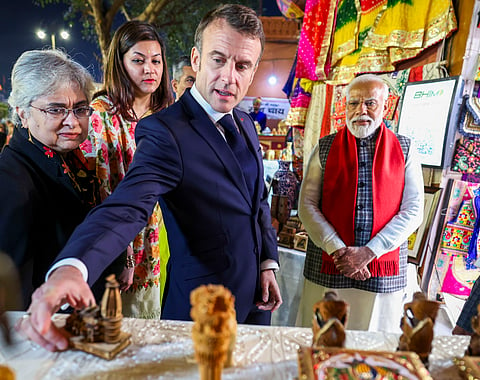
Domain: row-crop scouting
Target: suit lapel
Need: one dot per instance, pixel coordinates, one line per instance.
(208, 131)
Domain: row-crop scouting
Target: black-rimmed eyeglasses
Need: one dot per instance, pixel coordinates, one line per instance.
(61, 113)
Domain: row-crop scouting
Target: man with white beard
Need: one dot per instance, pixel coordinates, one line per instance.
(361, 198)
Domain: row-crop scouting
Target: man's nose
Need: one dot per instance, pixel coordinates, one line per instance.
(362, 107)
(228, 71)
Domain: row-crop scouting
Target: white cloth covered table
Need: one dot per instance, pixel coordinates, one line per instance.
(164, 350)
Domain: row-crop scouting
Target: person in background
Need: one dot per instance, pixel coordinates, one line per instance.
(10, 128)
(135, 85)
(183, 76)
(47, 189)
(202, 158)
(469, 310)
(3, 135)
(258, 116)
(361, 197)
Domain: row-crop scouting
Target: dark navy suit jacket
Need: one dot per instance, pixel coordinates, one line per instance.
(216, 232)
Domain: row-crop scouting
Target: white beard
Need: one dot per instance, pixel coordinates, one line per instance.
(361, 132)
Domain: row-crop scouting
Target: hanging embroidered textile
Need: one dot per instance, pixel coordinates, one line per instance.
(315, 39)
(459, 244)
(313, 122)
(457, 251)
(477, 75)
(466, 158)
(410, 26)
(300, 102)
(386, 33)
(345, 39)
(469, 120)
(290, 9)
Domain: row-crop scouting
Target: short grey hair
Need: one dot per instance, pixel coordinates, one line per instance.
(177, 70)
(366, 78)
(37, 73)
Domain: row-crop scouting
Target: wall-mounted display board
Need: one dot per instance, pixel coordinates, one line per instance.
(428, 115)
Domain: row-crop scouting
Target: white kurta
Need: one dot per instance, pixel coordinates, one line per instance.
(368, 311)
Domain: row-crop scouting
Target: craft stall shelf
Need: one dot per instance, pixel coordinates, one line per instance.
(275, 142)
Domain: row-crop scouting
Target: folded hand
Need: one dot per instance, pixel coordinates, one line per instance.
(351, 260)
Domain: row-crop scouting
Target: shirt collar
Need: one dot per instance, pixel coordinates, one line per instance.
(214, 115)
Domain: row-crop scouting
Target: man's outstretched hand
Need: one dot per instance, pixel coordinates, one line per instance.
(65, 285)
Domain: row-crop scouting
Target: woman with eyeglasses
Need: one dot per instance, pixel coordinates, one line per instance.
(46, 188)
(136, 84)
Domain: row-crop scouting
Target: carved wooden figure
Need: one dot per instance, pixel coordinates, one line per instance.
(329, 321)
(97, 330)
(417, 326)
(214, 329)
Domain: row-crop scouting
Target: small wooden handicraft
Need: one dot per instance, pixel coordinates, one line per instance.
(214, 329)
(329, 320)
(417, 326)
(97, 330)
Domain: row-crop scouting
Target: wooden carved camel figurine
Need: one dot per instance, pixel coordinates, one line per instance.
(329, 320)
(417, 326)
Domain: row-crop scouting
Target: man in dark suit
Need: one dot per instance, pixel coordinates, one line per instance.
(208, 171)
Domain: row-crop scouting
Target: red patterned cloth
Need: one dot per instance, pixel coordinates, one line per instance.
(327, 118)
(316, 39)
(341, 172)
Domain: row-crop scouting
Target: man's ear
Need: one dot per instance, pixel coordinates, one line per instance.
(195, 59)
(174, 84)
(385, 107)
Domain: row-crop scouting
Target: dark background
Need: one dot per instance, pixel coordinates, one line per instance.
(20, 19)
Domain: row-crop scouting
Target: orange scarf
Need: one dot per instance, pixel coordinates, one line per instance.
(388, 179)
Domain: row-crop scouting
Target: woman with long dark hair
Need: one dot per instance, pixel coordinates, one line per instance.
(136, 84)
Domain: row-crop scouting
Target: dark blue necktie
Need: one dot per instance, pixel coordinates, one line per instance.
(240, 149)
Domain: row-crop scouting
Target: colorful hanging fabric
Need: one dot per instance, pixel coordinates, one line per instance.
(450, 261)
(459, 242)
(315, 39)
(466, 157)
(288, 87)
(345, 39)
(313, 122)
(386, 33)
(472, 255)
(349, 62)
(327, 115)
(410, 26)
(477, 75)
(469, 120)
(300, 102)
(290, 9)
(339, 108)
